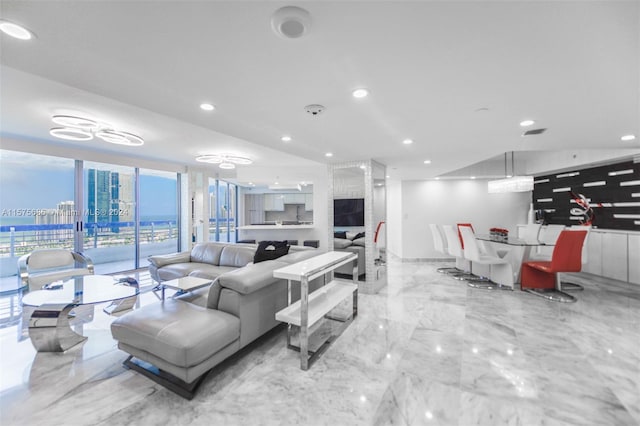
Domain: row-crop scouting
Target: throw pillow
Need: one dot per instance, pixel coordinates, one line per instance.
(359, 235)
(340, 234)
(358, 242)
(340, 243)
(269, 250)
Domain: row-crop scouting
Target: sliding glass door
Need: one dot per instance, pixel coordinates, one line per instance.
(158, 213)
(223, 205)
(109, 237)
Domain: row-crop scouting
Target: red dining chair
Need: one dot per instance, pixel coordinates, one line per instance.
(541, 277)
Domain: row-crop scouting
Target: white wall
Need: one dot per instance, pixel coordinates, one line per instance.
(450, 202)
(394, 217)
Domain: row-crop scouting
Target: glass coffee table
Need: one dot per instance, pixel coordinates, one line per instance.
(49, 327)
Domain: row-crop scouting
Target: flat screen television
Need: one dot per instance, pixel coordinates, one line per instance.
(348, 212)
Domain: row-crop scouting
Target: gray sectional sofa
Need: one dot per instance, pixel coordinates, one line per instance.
(184, 337)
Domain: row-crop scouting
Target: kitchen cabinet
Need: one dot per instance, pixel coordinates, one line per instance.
(594, 254)
(614, 256)
(308, 202)
(274, 202)
(634, 259)
(293, 198)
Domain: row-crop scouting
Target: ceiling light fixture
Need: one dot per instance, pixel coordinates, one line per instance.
(328, 154)
(225, 161)
(472, 177)
(15, 30)
(512, 182)
(71, 134)
(527, 123)
(84, 129)
(207, 107)
(427, 161)
(407, 141)
(286, 138)
(627, 138)
(360, 93)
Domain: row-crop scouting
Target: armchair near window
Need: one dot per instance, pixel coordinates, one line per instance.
(44, 266)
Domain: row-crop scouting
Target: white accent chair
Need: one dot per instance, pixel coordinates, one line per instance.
(44, 266)
(501, 272)
(439, 243)
(455, 249)
(530, 233)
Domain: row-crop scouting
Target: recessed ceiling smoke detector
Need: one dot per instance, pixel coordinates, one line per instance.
(533, 132)
(314, 109)
(291, 22)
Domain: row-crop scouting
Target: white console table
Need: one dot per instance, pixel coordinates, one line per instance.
(311, 308)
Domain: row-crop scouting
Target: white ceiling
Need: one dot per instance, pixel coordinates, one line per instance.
(572, 66)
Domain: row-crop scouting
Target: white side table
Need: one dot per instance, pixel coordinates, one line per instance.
(311, 308)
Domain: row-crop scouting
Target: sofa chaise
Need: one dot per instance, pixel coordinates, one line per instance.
(186, 336)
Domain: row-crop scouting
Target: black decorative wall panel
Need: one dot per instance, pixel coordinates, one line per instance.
(612, 192)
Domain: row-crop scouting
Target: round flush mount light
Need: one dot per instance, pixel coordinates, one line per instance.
(15, 30)
(224, 160)
(291, 22)
(207, 107)
(286, 138)
(73, 121)
(227, 166)
(627, 138)
(360, 93)
(71, 134)
(407, 141)
(527, 123)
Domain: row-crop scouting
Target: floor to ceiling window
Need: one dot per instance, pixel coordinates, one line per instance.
(37, 207)
(158, 213)
(223, 206)
(109, 217)
(127, 213)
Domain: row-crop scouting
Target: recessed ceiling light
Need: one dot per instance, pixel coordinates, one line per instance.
(427, 161)
(387, 176)
(407, 141)
(328, 154)
(627, 138)
(437, 178)
(286, 138)
(15, 30)
(207, 107)
(360, 93)
(472, 177)
(71, 134)
(250, 183)
(362, 166)
(527, 123)
(276, 183)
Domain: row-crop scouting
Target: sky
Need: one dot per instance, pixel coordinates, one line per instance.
(30, 181)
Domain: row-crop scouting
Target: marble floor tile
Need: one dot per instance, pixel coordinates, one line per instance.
(425, 350)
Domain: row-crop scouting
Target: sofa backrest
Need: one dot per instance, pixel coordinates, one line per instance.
(237, 256)
(207, 253)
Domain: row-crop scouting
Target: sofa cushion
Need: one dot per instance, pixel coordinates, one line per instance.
(299, 256)
(340, 234)
(237, 256)
(207, 253)
(210, 271)
(359, 242)
(178, 332)
(179, 270)
(252, 277)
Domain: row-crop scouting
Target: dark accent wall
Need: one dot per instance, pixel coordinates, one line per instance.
(610, 194)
